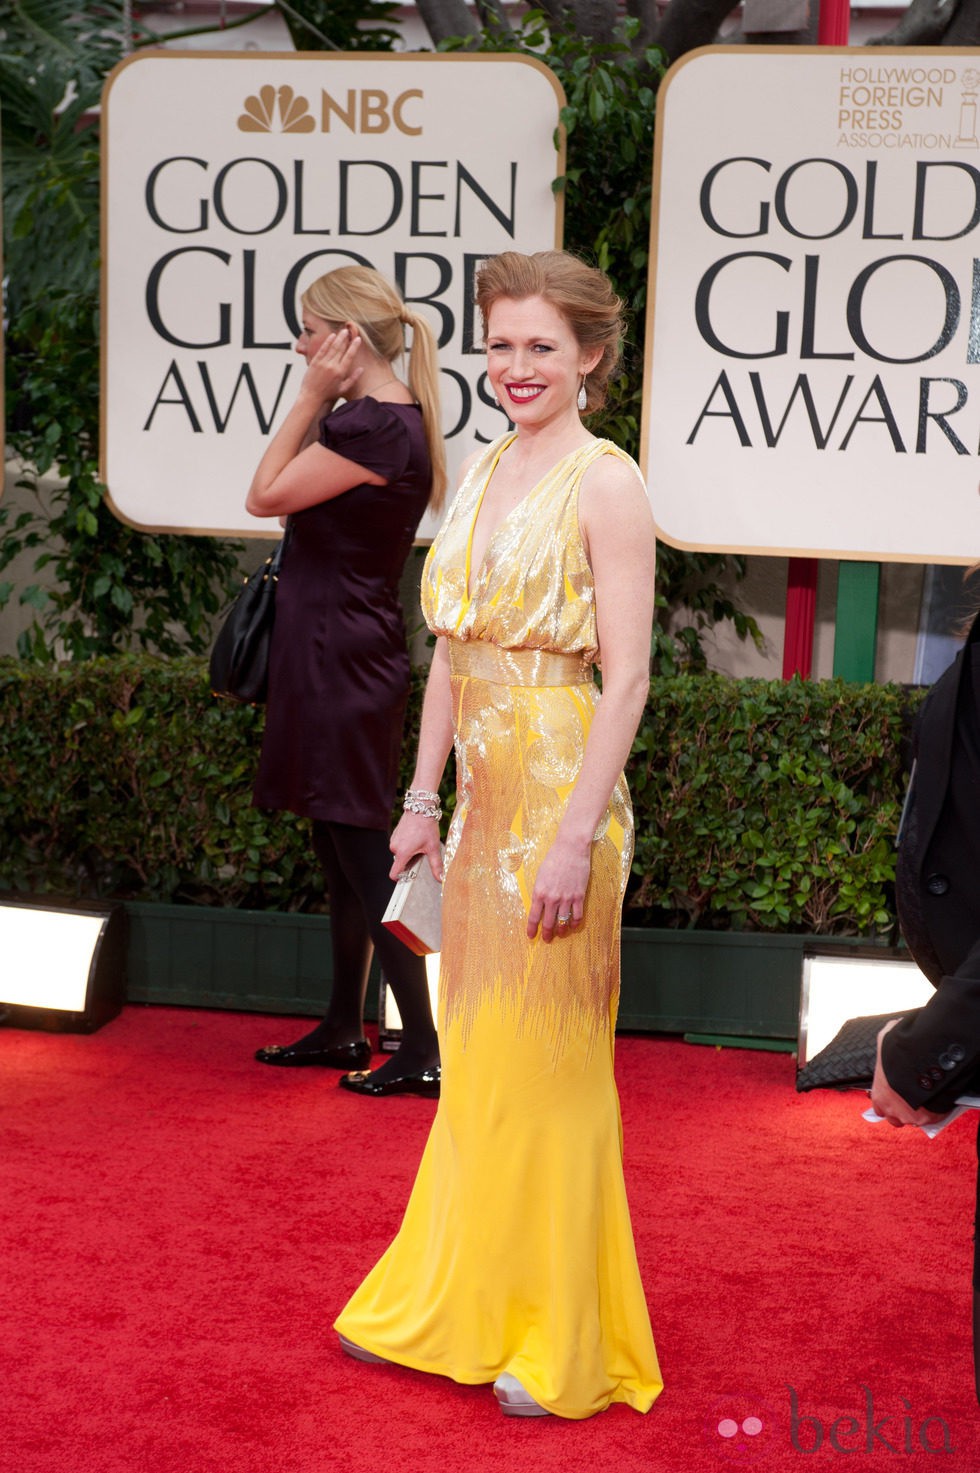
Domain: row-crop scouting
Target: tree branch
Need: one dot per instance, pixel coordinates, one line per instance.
(689, 23)
(923, 24)
(596, 18)
(447, 18)
(152, 38)
(494, 17)
(964, 26)
(556, 10)
(645, 11)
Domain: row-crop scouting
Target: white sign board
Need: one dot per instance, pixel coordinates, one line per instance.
(812, 382)
(232, 181)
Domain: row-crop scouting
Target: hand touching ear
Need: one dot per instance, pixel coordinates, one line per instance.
(333, 369)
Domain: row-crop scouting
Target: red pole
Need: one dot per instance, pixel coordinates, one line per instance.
(834, 25)
(833, 29)
(801, 607)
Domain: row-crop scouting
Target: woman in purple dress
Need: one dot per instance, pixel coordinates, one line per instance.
(353, 482)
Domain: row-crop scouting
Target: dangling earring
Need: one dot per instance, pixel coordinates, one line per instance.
(583, 399)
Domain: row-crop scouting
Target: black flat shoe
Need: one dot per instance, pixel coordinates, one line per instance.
(291, 1056)
(425, 1082)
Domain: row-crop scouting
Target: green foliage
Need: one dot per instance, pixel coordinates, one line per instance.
(112, 587)
(769, 805)
(759, 805)
(125, 777)
(609, 119)
(340, 24)
(689, 600)
(52, 62)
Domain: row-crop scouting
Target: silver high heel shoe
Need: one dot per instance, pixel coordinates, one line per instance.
(514, 1400)
(350, 1348)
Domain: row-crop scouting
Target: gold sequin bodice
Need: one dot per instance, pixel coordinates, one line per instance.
(534, 587)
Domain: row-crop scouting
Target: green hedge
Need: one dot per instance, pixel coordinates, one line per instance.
(759, 804)
(768, 805)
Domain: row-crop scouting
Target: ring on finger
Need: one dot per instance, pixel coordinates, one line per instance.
(564, 920)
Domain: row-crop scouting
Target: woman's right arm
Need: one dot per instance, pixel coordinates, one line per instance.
(415, 834)
(296, 471)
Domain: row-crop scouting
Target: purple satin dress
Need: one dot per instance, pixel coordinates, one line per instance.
(339, 669)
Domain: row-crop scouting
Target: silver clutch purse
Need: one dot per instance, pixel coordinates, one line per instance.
(414, 912)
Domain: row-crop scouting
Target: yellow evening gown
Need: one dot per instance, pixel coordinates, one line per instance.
(516, 1250)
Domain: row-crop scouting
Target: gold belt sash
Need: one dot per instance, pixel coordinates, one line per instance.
(485, 661)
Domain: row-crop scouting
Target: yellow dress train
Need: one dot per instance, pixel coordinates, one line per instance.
(516, 1251)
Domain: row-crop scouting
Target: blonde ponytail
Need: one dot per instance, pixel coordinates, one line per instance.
(423, 383)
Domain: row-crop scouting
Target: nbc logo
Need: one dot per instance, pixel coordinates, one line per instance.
(294, 112)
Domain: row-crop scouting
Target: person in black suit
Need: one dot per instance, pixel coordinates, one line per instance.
(929, 1058)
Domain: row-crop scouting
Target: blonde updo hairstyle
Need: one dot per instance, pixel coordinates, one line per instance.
(361, 295)
(582, 294)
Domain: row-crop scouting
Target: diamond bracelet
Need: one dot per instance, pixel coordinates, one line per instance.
(418, 800)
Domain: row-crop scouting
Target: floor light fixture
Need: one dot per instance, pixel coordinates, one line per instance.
(853, 982)
(62, 967)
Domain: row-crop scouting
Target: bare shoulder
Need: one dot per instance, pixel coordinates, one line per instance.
(467, 465)
(612, 486)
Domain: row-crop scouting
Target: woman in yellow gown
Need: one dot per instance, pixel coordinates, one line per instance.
(515, 1261)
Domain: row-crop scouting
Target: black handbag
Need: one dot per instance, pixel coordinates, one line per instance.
(239, 667)
(848, 1061)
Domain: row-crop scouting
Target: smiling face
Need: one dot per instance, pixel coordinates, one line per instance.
(534, 361)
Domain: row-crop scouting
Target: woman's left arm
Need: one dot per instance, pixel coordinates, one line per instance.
(617, 528)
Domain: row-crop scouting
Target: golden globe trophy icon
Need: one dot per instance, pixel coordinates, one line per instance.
(967, 137)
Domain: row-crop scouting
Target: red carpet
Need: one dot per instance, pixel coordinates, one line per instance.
(182, 1224)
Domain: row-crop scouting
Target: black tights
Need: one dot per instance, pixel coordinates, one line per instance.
(355, 862)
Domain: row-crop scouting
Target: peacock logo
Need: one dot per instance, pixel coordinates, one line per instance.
(260, 112)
